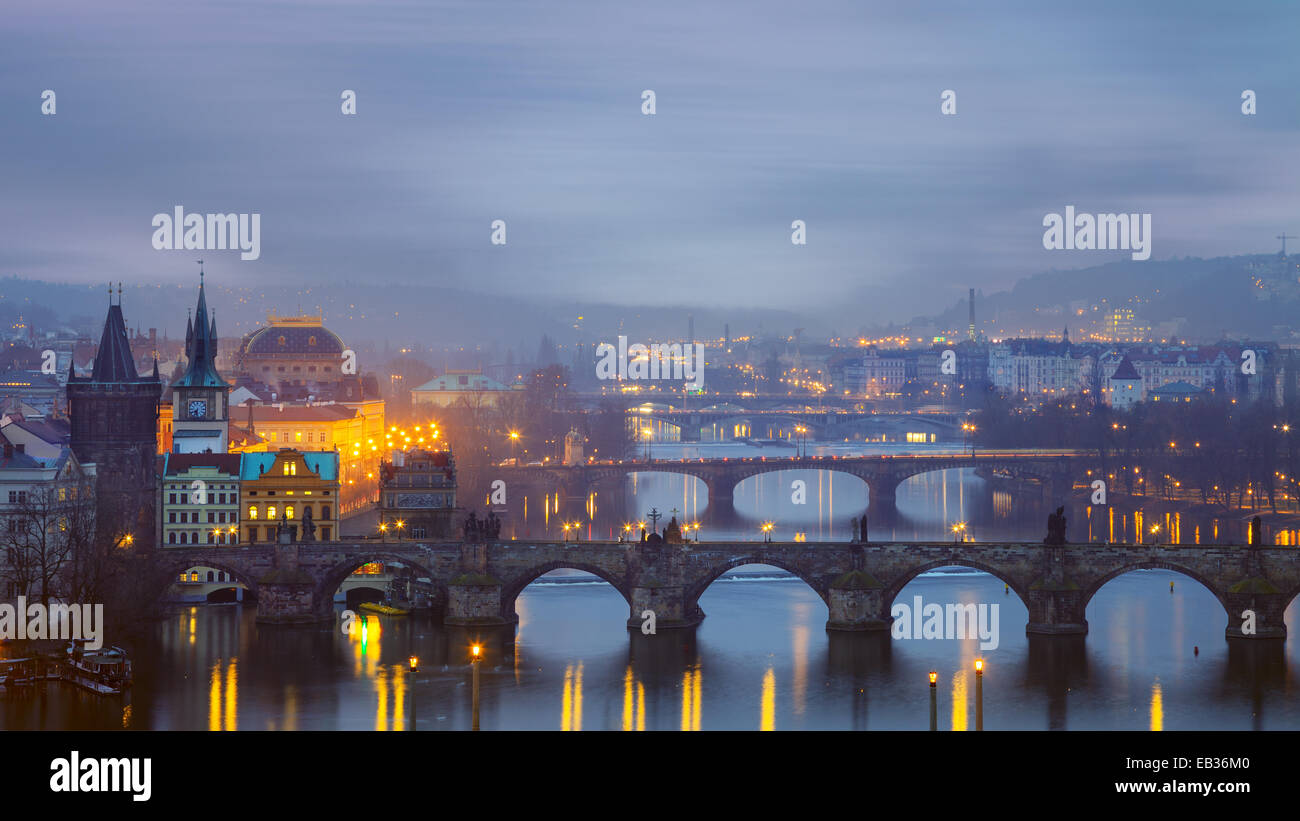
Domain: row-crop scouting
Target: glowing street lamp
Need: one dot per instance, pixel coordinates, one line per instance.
(979, 694)
(414, 662)
(934, 701)
(476, 655)
(767, 531)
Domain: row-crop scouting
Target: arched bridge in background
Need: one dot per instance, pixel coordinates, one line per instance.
(1056, 470)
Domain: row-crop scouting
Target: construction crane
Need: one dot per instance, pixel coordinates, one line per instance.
(1284, 236)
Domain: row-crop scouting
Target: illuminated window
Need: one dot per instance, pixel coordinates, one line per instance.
(270, 511)
(252, 511)
(194, 575)
(288, 511)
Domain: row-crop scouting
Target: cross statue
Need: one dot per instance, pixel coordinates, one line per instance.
(654, 516)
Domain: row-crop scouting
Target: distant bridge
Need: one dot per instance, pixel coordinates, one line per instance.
(1058, 470)
(830, 424)
(478, 584)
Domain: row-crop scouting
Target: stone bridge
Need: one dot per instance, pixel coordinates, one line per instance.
(478, 584)
(820, 425)
(1058, 471)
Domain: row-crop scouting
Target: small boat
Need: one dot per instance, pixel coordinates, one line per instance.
(17, 672)
(385, 609)
(106, 672)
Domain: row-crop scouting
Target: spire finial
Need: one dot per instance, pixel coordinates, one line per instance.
(200, 262)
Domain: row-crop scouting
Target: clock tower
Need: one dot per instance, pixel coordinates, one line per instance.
(200, 398)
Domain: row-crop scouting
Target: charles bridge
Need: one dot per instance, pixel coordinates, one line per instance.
(1055, 471)
(477, 584)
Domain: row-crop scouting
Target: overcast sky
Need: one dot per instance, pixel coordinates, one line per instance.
(530, 112)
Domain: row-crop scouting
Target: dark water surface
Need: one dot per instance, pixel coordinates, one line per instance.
(762, 659)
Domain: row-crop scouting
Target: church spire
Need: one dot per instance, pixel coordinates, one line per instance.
(201, 345)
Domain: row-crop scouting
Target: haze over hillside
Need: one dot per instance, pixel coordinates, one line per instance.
(1254, 295)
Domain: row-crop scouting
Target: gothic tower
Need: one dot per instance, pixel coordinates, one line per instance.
(201, 398)
(114, 416)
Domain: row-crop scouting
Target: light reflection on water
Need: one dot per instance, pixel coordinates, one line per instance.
(762, 659)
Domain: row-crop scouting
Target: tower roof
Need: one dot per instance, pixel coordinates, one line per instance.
(113, 362)
(201, 347)
(1126, 370)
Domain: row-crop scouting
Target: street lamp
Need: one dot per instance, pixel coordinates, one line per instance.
(383, 531)
(514, 440)
(934, 701)
(979, 694)
(414, 662)
(476, 655)
(767, 531)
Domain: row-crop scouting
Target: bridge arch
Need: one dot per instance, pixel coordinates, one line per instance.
(334, 577)
(698, 588)
(167, 571)
(895, 587)
(515, 585)
(1153, 564)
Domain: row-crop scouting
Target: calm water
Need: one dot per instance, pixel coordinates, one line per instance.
(761, 659)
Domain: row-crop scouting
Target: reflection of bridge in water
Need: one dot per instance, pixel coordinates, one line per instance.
(477, 584)
(1056, 470)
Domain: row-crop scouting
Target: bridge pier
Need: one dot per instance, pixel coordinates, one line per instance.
(667, 603)
(882, 496)
(857, 603)
(1056, 612)
(287, 593)
(1267, 609)
(474, 600)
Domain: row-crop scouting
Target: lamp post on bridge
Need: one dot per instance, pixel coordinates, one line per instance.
(979, 694)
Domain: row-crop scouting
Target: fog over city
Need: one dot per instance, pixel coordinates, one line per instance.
(468, 113)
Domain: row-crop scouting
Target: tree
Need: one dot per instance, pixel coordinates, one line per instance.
(45, 528)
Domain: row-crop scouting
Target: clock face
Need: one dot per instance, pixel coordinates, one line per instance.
(198, 408)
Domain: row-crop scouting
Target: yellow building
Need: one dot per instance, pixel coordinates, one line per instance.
(354, 429)
(283, 485)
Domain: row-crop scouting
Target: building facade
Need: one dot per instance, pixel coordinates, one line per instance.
(281, 486)
(418, 490)
(200, 499)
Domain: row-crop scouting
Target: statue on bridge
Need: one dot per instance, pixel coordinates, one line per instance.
(855, 530)
(492, 527)
(308, 526)
(862, 531)
(1056, 527)
(471, 527)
